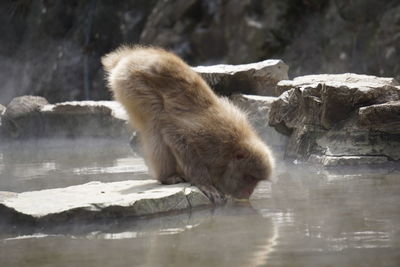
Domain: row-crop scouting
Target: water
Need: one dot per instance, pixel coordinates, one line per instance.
(307, 217)
(35, 165)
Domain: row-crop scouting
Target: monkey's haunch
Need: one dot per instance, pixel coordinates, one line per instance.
(187, 133)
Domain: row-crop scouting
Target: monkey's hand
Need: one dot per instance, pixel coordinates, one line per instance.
(192, 166)
(213, 194)
(173, 179)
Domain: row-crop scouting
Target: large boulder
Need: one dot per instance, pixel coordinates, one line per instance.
(258, 78)
(97, 200)
(339, 115)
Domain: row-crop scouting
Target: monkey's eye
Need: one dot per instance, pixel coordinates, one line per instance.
(239, 156)
(250, 178)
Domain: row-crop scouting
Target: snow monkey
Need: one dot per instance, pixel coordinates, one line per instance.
(187, 133)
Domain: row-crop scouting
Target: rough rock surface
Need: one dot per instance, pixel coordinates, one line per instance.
(258, 78)
(336, 161)
(46, 46)
(350, 80)
(29, 116)
(22, 115)
(85, 118)
(381, 117)
(338, 116)
(96, 200)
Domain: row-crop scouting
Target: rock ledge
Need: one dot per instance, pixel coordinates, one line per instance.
(99, 200)
(258, 78)
(344, 119)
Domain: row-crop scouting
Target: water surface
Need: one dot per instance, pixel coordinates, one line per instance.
(307, 217)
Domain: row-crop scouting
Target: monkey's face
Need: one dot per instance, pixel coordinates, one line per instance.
(242, 176)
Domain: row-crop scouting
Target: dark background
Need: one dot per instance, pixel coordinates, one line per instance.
(52, 48)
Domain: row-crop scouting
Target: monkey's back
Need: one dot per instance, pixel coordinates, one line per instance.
(155, 85)
(151, 82)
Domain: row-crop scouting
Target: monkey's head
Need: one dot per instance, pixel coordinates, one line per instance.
(249, 165)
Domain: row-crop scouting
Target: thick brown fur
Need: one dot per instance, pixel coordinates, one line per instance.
(187, 132)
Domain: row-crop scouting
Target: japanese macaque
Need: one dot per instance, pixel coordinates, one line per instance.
(187, 133)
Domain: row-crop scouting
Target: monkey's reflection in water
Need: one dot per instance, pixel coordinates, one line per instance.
(234, 235)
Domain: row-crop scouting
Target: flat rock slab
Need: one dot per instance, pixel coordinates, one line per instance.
(335, 161)
(258, 78)
(100, 200)
(30, 116)
(339, 115)
(350, 80)
(112, 108)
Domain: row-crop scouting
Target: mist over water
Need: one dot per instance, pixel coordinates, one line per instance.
(306, 217)
(50, 163)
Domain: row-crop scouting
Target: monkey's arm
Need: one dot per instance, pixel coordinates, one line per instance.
(192, 166)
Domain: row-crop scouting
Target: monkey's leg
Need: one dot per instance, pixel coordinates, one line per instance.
(193, 168)
(160, 159)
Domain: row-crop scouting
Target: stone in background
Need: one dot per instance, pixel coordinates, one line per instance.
(334, 116)
(258, 78)
(52, 48)
(96, 200)
(34, 117)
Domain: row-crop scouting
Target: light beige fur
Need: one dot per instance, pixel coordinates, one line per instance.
(187, 132)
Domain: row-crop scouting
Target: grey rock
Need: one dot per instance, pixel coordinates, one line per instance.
(349, 139)
(327, 103)
(257, 109)
(85, 118)
(24, 105)
(327, 44)
(338, 115)
(381, 117)
(33, 117)
(336, 161)
(2, 110)
(258, 78)
(96, 200)
(46, 46)
(347, 79)
(22, 115)
(213, 31)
